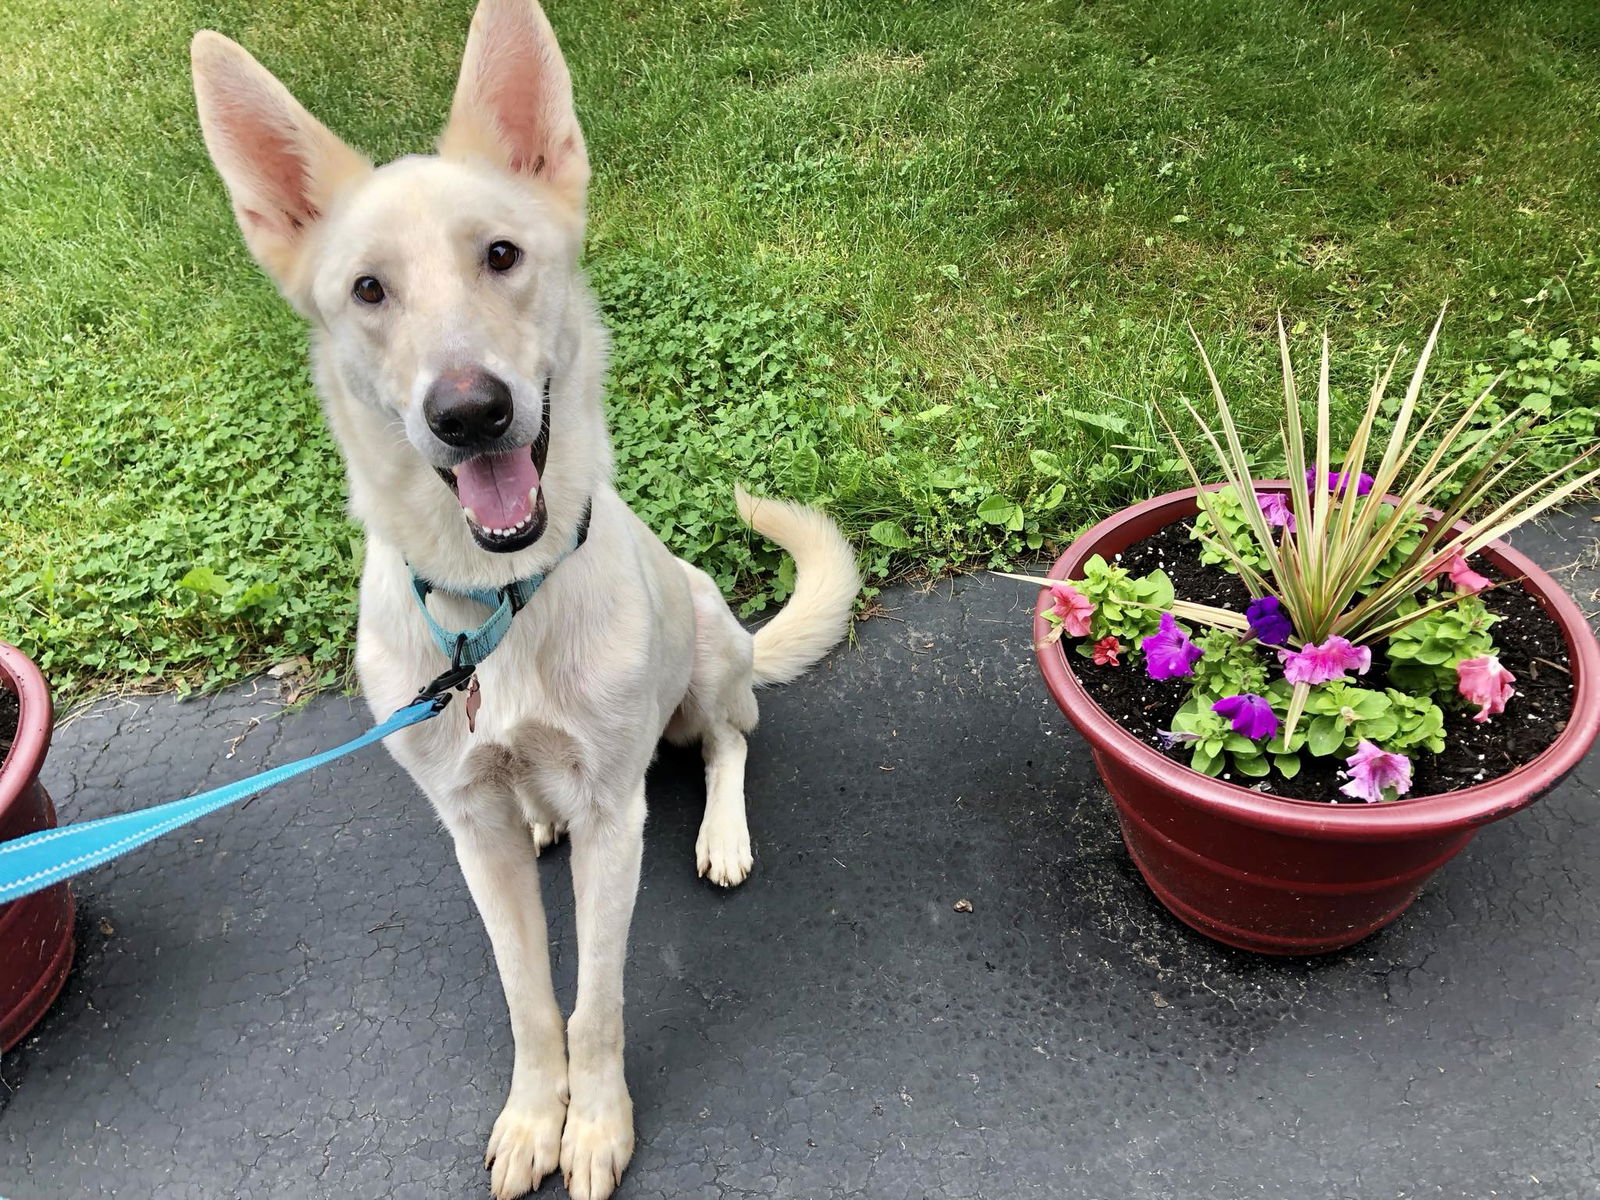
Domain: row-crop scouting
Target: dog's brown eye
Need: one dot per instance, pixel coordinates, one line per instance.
(502, 256)
(368, 290)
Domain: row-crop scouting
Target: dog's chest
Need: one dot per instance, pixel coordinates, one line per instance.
(522, 739)
(509, 691)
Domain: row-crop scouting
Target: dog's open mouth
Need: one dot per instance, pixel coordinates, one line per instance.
(502, 496)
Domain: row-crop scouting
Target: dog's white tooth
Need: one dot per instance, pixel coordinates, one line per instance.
(533, 495)
(471, 516)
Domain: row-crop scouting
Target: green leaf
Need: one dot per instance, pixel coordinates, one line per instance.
(1101, 421)
(256, 594)
(1324, 735)
(203, 581)
(1161, 593)
(1253, 765)
(1001, 510)
(1045, 463)
(1376, 729)
(805, 469)
(889, 533)
(1370, 705)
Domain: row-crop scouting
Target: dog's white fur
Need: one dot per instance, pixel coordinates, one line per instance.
(622, 644)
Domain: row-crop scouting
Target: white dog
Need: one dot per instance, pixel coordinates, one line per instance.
(460, 358)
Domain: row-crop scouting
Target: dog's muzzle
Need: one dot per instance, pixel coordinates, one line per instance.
(501, 492)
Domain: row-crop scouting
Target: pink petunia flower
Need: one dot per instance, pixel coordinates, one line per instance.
(1275, 508)
(1324, 663)
(1069, 614)
(1484, 682)
(1106, 651)
(1372, 770)
(1168, 653)
(1072, 608)
(1463, 576)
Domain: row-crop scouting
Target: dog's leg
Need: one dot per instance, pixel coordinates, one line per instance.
(718, 710)
(598, 1141)
(498, 859)
(722, 850)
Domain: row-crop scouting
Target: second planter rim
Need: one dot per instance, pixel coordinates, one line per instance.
(1477, 805)
(34, 721)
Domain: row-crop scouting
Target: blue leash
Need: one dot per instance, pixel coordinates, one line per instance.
(32, 863)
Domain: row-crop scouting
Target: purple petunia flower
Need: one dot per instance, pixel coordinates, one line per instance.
(1336, 482)
(1173, 737)
(1324, 663)
(1275, 508)
(1169, 654)
(1269, 624)
(1251, 715)
(1372, 770)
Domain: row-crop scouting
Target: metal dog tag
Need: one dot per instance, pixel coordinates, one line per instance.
(471, 703)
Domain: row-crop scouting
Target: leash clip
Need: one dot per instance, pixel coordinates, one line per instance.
(453, 679)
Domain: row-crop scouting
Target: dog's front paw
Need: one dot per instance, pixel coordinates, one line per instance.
(525, 1146)
(722, 852)
(596, 1146)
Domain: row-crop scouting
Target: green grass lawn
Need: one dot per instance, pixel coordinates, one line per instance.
(929, 264)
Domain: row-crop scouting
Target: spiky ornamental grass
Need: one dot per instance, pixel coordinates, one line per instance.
(1344, 526)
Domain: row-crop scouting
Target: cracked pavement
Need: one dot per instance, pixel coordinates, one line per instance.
(295, 998)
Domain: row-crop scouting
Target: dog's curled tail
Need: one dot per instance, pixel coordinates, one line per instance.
(825, 585)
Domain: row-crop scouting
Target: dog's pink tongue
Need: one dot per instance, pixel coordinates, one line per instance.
(496, 486)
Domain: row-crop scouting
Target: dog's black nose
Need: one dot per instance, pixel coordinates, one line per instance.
(467, 407)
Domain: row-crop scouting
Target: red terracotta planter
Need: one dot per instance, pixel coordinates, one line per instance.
(35, 931)
(1282, 876)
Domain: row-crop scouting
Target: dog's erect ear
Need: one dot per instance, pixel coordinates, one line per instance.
(513, 104)
(283, 169)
